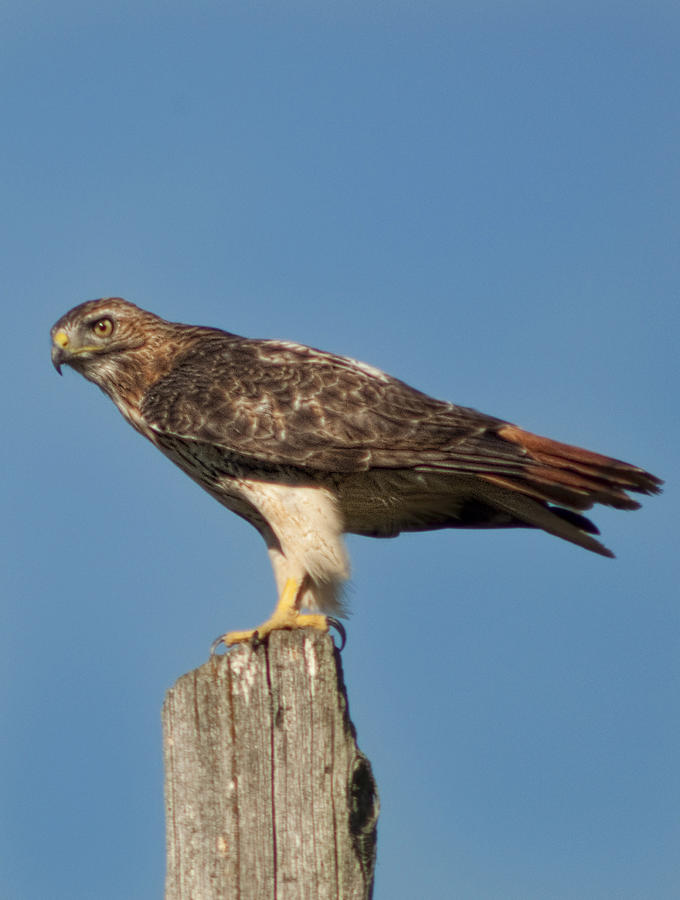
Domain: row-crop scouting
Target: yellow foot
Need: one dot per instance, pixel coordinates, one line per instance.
(286, 615)
(296, 620)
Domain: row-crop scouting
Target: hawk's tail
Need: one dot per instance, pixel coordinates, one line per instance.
(562, 474)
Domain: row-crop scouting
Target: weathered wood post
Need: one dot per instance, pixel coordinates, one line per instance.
(267, 795)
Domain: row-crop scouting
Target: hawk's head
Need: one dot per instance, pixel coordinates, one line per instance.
(95, 329)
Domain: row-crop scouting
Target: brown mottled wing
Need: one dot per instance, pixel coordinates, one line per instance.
(289, 405)
(282, 405)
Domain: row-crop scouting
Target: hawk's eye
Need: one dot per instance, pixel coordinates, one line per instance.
(103, 327)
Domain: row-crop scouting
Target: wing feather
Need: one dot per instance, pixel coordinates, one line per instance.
(286, 405)
(291, 405)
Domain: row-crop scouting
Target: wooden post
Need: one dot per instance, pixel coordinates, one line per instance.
(267, 795)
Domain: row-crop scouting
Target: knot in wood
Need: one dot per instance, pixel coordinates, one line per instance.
(364, 808)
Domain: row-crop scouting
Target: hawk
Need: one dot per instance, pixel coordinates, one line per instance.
(307, 446)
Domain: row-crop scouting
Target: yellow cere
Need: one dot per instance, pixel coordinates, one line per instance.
(61, 338)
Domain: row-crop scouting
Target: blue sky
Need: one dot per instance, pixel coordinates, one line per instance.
(481, 198)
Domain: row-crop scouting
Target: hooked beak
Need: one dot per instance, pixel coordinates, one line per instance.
(60, 354)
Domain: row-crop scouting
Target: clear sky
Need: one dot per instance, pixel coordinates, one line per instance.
(481, 198)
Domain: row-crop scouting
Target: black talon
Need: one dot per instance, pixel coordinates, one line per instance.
(215, 644)
(340, 629)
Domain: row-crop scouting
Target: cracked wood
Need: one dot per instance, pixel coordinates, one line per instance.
(267, 795)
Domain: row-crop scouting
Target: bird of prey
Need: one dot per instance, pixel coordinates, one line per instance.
(307, 446)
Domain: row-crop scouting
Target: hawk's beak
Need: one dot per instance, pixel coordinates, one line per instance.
(60, 353)
(57, 358)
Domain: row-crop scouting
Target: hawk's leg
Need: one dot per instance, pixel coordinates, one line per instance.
(286, 615)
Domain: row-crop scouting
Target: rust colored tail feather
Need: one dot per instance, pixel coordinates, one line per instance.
(577, 478)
